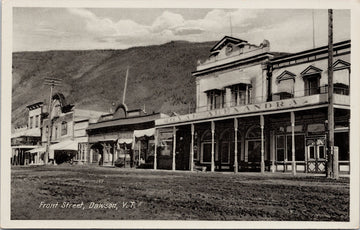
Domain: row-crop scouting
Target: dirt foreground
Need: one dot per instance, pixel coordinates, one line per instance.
(84, 193)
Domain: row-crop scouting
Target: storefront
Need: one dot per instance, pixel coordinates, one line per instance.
(260, 113)
(123, 139)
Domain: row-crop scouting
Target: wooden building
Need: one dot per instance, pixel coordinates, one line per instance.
(67, 126)
(258, 110)
(125, 137)
(27, 138)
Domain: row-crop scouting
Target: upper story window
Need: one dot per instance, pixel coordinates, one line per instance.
(37, 121)
(63, 128)
(285, 86)
(311, 76)
(341, 77)
(240, 94)
(31, 122)
(56, 132)
(216, 99)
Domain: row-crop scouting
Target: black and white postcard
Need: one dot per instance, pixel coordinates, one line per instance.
(180, 114)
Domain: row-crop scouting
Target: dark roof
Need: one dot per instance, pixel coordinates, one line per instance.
(34, 105)
(124, 121)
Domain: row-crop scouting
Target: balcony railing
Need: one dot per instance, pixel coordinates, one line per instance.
(274, 97)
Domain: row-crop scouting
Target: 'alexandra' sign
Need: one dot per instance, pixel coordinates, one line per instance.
(244, 109)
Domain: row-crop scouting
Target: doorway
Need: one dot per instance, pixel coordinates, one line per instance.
(316, 155)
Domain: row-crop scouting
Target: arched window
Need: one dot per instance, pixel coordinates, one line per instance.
(254, 132)
(63, 128)
(206, 147)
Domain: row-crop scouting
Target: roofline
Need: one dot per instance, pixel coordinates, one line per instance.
(126, 118)
(219, 42)
(337, 45)
(229, 64)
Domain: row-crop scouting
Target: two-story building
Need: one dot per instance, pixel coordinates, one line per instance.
(66, 126)
(258, 110)
(28, 138)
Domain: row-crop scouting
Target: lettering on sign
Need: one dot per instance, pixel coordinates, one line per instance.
(260, 107)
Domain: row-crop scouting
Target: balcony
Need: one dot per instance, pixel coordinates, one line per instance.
(231, 109)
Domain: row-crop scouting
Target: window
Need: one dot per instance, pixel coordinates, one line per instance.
(299, 147)
(37, 119)
(206, 152)
(341, 89)
(280, 148)
(63, 128)
(47, 129)
(56, 132)
(216, 99)
(312, 85)
(31, 121)
(239, 95)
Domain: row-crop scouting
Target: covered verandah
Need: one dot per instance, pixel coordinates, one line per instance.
(264, 141)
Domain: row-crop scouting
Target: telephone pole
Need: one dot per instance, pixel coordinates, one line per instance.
(332, 163)
(52, 82)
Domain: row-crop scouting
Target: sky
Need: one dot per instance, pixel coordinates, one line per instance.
(288, 30)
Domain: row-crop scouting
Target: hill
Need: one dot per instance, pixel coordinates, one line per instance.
(159, 77)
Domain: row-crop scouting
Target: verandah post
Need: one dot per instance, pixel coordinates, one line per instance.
(192, 148)
(236, 166)
(293, 164)
(174, 149)
(212, 146)
(155, 150)
(262, 143)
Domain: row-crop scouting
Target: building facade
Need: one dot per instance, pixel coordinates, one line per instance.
(65, 126)
(258, 110)
(27, 138)
(124, 138)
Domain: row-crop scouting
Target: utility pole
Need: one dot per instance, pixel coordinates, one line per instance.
(332, 163)
(52, 82)
(313, 28)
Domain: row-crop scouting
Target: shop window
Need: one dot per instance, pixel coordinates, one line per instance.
(64, 128)
(342, 142)
(166, 147)
(216, 99)
(299, 147)
(280, 148)
(206, 147)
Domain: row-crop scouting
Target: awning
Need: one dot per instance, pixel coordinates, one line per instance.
(124, 141)
(144, 132)
(37, 150)
(64, 145)
(24, 146)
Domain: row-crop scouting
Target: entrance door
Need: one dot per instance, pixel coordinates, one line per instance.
(254, 154)
(316, 155)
